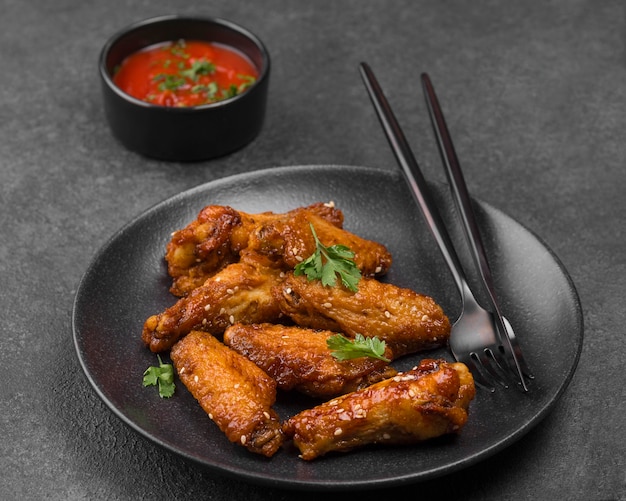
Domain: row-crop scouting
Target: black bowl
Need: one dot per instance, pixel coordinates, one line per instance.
(184, 133)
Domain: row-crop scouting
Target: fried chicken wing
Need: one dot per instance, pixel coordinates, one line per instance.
(291, 241)
(299, 359)
(233, 391)
(426, 402)
(408, 322)
(241, 292)
(218, 235)
(204, 247)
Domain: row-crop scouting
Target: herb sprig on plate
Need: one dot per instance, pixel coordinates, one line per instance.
(161, 376)
(343, 348)
(326, 263)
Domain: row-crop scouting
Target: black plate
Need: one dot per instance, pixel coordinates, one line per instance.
(127, 282)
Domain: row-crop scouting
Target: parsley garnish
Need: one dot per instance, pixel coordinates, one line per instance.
(230, 91)
(345, 349)
(201, 67)
(169, 82)
(210, 89)
(178, 49)
(163, 376)
(248, 80)
(328, 262)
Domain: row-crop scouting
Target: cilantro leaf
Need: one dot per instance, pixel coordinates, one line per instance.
(345, 349)
(229, 92)
(151, 376)
(169, 82)
(248, 81)
(326, 263)
(161, 376)
(200, 67)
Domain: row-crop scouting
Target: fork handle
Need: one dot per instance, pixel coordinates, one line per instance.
(414, 177)
(459, 189)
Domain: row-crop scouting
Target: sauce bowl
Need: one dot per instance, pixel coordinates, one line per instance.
(184, 134)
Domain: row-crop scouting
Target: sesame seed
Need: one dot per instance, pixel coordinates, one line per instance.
(243, 440)
(195, 378)
(299, 258)
(230, 291)
(204, 321)
(218, 279)
(338, 431)
(425, 318)
(288, 290)
(386, 436)
(182, 369)
(284, 337)
(344, 416)
(387, 314)
(327, 305)
(281, 274)
(210, 416)
(236, 386)
(330, 205)
(411, 393)
(231, 319)
(266, 414)
(222, 311)
(378, 269)
(207, 307)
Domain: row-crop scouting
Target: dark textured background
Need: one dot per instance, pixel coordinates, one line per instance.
(535, 95)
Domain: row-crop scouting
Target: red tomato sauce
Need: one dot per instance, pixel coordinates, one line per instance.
(185, 73)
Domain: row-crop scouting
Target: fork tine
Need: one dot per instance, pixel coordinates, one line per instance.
(478, 374)
(492, 367)
(518, 351)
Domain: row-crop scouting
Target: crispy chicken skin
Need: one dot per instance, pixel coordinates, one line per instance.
(234, 392)
(426, 402)
(299, 359)
(219, 233)
(204, 247)
(290, 241)
(241, 292)
(407, 321)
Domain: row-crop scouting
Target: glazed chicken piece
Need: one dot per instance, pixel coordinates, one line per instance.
(203, 247)
(426, 402)
(408, 322)
(219, 234)
(241, 292)
(299, 359)
(234, 392)
(290, 241)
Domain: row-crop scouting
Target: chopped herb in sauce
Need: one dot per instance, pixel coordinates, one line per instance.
(185, 73)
